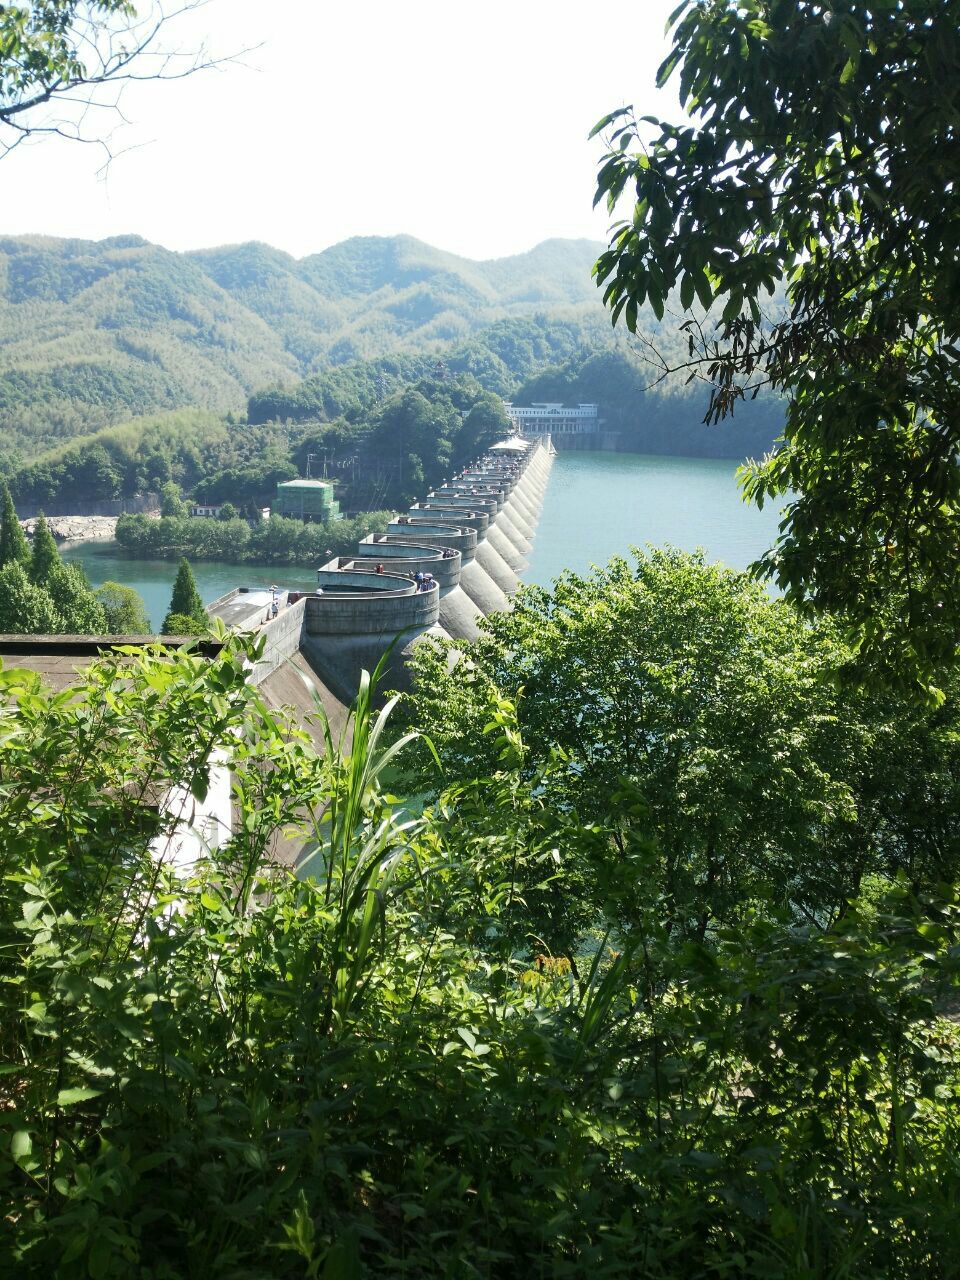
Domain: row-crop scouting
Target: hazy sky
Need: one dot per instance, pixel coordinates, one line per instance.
(463, 125)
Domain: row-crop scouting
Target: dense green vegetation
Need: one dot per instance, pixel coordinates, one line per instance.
(38, 592)
(383, 448)
(124, 610)
(653, 986)
(657, 976)
(274, 541)
(818, 145)
(186, 615)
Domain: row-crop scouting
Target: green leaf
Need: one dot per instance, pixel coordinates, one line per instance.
(467, 1036)
(704, 292)
(67, 1097)
(21, 1144)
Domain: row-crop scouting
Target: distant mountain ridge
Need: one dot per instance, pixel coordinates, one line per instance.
(92, 332)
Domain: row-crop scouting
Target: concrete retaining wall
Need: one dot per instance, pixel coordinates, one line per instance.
(339, 573)
(409, 559)
(283, 640)
(465, 519)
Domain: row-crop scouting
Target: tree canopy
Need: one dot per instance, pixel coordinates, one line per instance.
(56, 58)
(124, 610)
(821, 150)
(381, 1064)
(13, 541)
(680, 696)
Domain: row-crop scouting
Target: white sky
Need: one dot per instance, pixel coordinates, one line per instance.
(463, 125)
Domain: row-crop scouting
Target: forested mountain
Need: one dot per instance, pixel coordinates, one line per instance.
(92, 333)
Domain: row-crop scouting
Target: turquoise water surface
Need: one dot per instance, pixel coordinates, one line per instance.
(599, 504)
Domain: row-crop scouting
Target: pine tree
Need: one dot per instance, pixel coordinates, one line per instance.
(185, 601)
(13, 543)
(45, 557)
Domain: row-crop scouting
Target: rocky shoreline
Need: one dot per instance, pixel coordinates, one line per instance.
(76, 528)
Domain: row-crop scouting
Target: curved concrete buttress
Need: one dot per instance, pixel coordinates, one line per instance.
(528, 492)
(521, 515)
(532, 498)
(518, 544)
(482, 589)
(439, 533)
(506, 522)
(408, 558)
(340, 660)
(465, 502)
(344, 634)
(493, 563)
(499, 539)
(459, 616)
(465, 517)
(474, 580)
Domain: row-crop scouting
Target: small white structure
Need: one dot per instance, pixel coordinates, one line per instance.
(207, 510)
(552, 419)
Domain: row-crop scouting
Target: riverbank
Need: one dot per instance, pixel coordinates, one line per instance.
(76, 528)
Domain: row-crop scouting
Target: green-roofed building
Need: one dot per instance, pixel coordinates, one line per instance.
(310, 500)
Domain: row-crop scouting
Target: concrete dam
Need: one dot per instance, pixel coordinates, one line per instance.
(471, 534)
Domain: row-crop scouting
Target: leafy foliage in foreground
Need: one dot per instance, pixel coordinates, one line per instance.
(384, 1067)
(819, 145)
(681, 690)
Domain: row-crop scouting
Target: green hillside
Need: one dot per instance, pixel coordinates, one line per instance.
(94, 335)
(94, 332)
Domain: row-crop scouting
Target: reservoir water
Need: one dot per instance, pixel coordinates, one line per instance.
(597, 505)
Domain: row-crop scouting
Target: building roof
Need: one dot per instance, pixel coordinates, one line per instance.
(59, 660)
(304, 484)
(516, 444)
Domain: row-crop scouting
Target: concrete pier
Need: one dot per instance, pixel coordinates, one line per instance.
(499, 533)
(471, 535)
(487, 556)
(459, 616)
